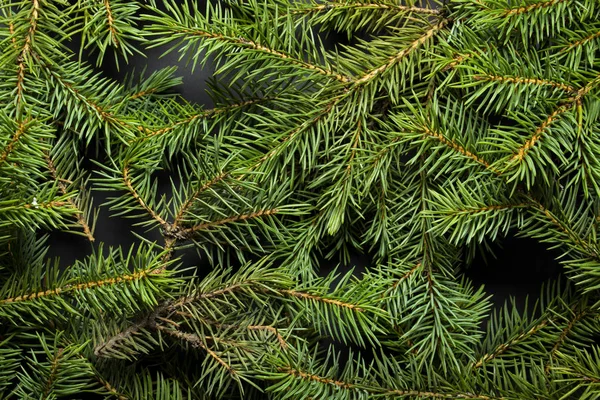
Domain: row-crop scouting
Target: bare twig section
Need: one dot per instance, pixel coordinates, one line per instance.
(502, 348)
(49, 204)
(11, 30)
(63, 189)
(128, 183)
(519, 80)
(370, 6)
(110, 20)
(369, 76)
(195, 341)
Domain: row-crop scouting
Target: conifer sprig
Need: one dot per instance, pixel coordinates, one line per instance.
(436, 128)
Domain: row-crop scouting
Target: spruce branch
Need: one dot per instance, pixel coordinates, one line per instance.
(363, 5)
(400, 56)
(62, 185)
(504, 347)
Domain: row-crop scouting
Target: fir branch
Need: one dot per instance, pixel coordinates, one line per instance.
(9, 148)
(190, 199)
(566, 229)
(316, 378)
(415, 45)
(142, 93)
(460, 149)
(272, 330)
(246, 43)
(495, 207)
(521, 153)
(580, 42)
(26, 50)
(306, 125)
(109, 388)
(458, 59)
(185, 300)
(407, 275)
(374, 390)
(236, 218)
(373, 6)
(195, 341)
(149, 133)
(69, 288)
(103, 112)
(52, 375)
(138, 198)
(520, 80)
(577, 316)
(531, 7)
(320, 299)
(503, 347)
(110, 21)
(80, 216)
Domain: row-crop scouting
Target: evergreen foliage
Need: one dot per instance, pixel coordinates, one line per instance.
(438, 128)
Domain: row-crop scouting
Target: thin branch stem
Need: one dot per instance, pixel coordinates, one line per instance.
(73, 287)
(371, 6)
(371, 75)
(520, 80)
(503, 347)
(110, 21)
(228, 220)
(13, 141)
(195, 341)
(63, 188)
(53, 372)
(380, 390)
(129, 185)
(531, 7)
(252, 45)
